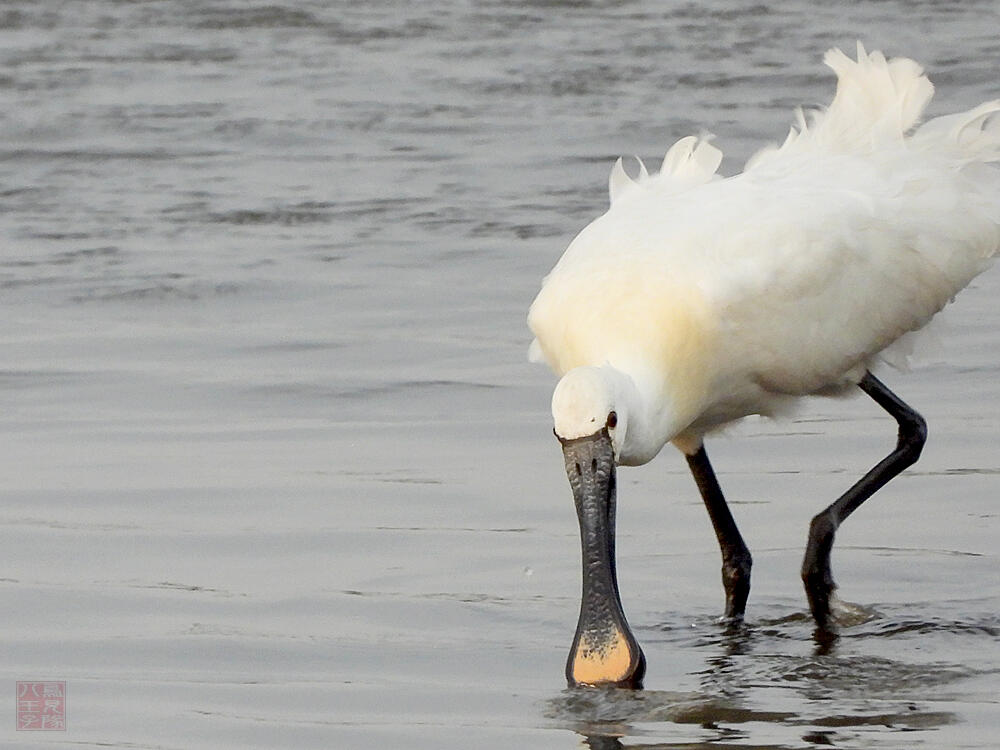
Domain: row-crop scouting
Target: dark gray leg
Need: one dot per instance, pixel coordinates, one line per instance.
(816, 566)
(736, 560)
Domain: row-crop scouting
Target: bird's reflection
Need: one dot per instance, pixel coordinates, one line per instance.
(826, 642)
(607, 714)
(741, 660)
(723, 675)
(602, 742)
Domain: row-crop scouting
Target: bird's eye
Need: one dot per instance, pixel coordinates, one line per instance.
(612, 420)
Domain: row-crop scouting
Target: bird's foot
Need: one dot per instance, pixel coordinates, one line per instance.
(736, 582)
(819, 587)
(816, 575)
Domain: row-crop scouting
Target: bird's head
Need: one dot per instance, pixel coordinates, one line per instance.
(587, 402)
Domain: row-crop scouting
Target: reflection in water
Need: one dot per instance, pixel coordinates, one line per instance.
(825, 640)
(734, 641)
(614, 743)
(843, 692)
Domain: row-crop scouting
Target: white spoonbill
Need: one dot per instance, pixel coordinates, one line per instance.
(696, 301)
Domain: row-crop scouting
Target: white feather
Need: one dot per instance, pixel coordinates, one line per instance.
(689, 162)
(619, 182)
(719, 298)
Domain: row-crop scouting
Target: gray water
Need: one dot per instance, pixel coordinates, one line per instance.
(276, 472)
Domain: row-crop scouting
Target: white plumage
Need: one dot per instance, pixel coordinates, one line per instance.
(696, 300)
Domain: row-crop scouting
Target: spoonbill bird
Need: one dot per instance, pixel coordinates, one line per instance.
(695, 301)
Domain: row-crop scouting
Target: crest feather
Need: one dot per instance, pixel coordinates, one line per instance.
(619, 182)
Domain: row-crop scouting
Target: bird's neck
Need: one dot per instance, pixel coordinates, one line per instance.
(652, 420)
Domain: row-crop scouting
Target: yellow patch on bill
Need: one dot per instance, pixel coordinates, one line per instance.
(607, 662)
